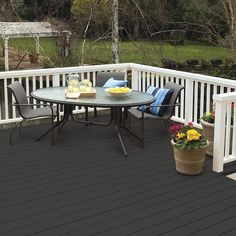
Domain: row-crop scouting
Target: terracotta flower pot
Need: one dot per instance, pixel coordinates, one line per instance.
(208, 132)
(189, 162)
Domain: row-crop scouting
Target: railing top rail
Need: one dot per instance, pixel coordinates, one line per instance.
(186, 75)
(225, 97)
(58, 70)
(122, 66)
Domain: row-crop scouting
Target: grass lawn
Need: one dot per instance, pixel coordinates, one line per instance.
(145, 52)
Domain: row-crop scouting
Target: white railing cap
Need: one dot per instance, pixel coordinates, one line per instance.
(60, 70)
(225, 97)
(122, 66)
(186, 75)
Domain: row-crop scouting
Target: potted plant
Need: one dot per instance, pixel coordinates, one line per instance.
(208, 124)
(189, 149)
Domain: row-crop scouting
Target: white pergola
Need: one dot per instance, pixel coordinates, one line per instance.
(26, 29)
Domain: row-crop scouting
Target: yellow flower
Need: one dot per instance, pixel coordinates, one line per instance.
(193, 135)
(180, 135)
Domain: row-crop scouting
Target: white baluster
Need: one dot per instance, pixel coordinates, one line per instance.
(188, 100)
(219, 135)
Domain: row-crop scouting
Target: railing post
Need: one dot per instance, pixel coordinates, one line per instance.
(219, 135)
(37, 45)
(188, 116)
(6, 59)
(134, 79)
(56, 80)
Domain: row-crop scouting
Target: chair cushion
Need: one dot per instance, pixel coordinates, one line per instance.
(152, 91)
(115, 83)
(40, 112)
(146, 115)
(162, 98)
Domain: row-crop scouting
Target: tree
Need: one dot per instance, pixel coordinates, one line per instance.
(95, 9)
(229, 7)
(6, 12)
(39, 9)
(215, 19)
(78, 7)
(115, 32)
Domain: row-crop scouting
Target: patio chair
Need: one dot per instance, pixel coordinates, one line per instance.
(101, 79)
(164, 117)
(26, 110)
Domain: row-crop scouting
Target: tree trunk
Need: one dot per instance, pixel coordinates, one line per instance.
(230, 15)
(85, 34)
(115, 32)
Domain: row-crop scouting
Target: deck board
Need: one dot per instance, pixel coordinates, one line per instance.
(83, 185)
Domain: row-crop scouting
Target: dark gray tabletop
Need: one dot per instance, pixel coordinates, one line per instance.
(102, 98)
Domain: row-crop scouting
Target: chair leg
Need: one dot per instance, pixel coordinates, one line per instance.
(52, 119)
(95, 112)
(125, 115)
(166, 127)
(129, 123)
(142, 132)
(86, 115)
(140, 139)
(58, 116)
(13, 130)
(20, 128)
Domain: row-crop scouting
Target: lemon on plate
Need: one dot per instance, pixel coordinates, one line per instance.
(119, 90)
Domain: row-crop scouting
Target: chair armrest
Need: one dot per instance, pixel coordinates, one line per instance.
(173, 105)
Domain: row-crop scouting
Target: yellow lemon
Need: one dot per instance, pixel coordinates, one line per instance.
(70, 89)
(88, 89)
(82, 88)
(86, 81)
(74, 82)
(75, 90)
(119, 90)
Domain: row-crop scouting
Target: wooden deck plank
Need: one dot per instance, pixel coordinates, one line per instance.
(213, 213)
(229, 232)
(83, 185)
(107, 204)
(203, 227)
(167, 210)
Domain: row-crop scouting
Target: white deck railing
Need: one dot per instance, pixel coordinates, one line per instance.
(225, 130)
(34, 79)
(196, 99)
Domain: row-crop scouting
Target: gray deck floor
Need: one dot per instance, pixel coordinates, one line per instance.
(84, 186)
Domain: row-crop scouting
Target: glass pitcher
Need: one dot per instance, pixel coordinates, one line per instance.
(72, 82)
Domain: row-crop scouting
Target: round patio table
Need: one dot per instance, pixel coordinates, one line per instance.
(102, 99)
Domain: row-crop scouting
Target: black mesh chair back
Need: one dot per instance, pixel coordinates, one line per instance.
(166, 115)
(103, 77)
(20, 96)
(26, 110)
(169, 111)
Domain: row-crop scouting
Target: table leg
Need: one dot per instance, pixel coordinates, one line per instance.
(117, 117)
(121, 140)
(87, 122)
(67, 113)
(59, 124)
